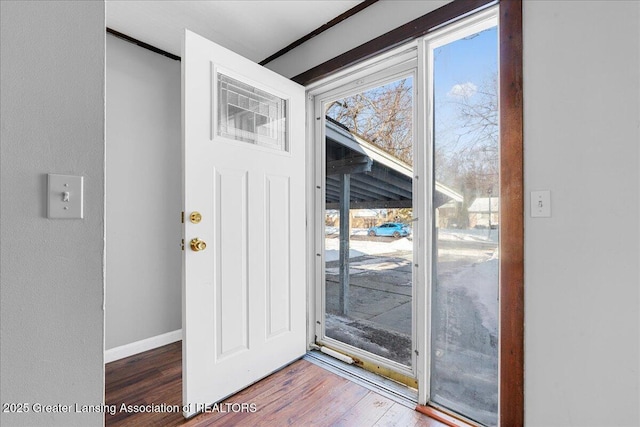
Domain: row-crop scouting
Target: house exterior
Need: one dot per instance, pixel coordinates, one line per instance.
(484, 213)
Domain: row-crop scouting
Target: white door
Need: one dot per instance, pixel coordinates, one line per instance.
(244, 294)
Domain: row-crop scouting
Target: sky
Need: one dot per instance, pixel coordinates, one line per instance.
(470, 60)
(462, 68)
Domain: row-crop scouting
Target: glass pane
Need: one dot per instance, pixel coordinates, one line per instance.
(369, 243)
(251, 115)
(464, 357)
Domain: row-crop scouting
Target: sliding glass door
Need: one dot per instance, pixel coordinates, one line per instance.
(464, 309)
(368, 246)
(408, 216)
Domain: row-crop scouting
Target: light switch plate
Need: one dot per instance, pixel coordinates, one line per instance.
(541, 204)
(64, 197)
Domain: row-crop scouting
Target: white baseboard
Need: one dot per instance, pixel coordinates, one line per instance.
(127, 350)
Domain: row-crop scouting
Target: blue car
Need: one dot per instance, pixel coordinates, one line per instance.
(394, 229)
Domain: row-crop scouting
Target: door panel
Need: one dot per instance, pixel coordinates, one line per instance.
(244, 295)
(277, 250)
(231, 248)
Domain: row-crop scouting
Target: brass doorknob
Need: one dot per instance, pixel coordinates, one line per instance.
(198, 245)
(195, 217)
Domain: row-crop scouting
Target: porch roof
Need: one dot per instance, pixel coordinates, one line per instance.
(378, 179)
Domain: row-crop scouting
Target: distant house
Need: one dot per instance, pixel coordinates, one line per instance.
(360, 218)
(484, 212)
(447, 215)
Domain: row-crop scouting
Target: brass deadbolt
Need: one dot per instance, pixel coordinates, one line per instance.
(195, 217)
(198, 245)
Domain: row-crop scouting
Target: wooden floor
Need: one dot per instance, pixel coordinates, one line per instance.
(300, 394)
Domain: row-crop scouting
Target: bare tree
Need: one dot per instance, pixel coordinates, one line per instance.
(382, 116)
(467, 147)
(466, 142)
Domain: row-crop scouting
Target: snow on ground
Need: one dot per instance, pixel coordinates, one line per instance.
(480, 280)
(358, 248)
(479, 277)
(471, 235)
(371, 264)
(381, 245)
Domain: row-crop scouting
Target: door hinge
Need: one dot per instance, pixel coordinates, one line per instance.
(182, 217)
(182, 245)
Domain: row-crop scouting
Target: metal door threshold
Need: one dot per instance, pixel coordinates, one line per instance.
(397, 392)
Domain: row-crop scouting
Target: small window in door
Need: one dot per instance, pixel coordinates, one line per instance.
(248, 114)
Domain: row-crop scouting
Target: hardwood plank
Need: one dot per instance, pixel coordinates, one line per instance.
(441, 416)
(400, 416)
(263, 393)
(299, 394)
(286, 401)
(328, 404)
(295, 405)
(369, 410)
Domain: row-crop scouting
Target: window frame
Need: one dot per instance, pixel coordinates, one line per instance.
(475, 23)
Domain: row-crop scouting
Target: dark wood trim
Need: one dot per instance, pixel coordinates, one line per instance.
(511, 216)
(338, 19)
(441, 416)
(142, 44)
(409, 31)
(511, 410)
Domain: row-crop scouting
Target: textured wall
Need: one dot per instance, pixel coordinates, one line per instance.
(144, 190)
(52, 121)
(581, 68)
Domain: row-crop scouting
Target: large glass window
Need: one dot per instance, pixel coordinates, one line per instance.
(464, 348)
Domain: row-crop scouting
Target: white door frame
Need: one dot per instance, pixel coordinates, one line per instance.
(407, 59)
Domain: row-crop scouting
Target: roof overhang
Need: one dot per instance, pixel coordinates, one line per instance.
(377, 179)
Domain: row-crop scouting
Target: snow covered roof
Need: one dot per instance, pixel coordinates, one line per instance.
(481, 205)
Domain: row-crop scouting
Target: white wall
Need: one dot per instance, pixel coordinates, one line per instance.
(581, 90)
(51, 121)
(144, 187)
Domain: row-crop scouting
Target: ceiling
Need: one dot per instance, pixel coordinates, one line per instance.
(254, 29)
